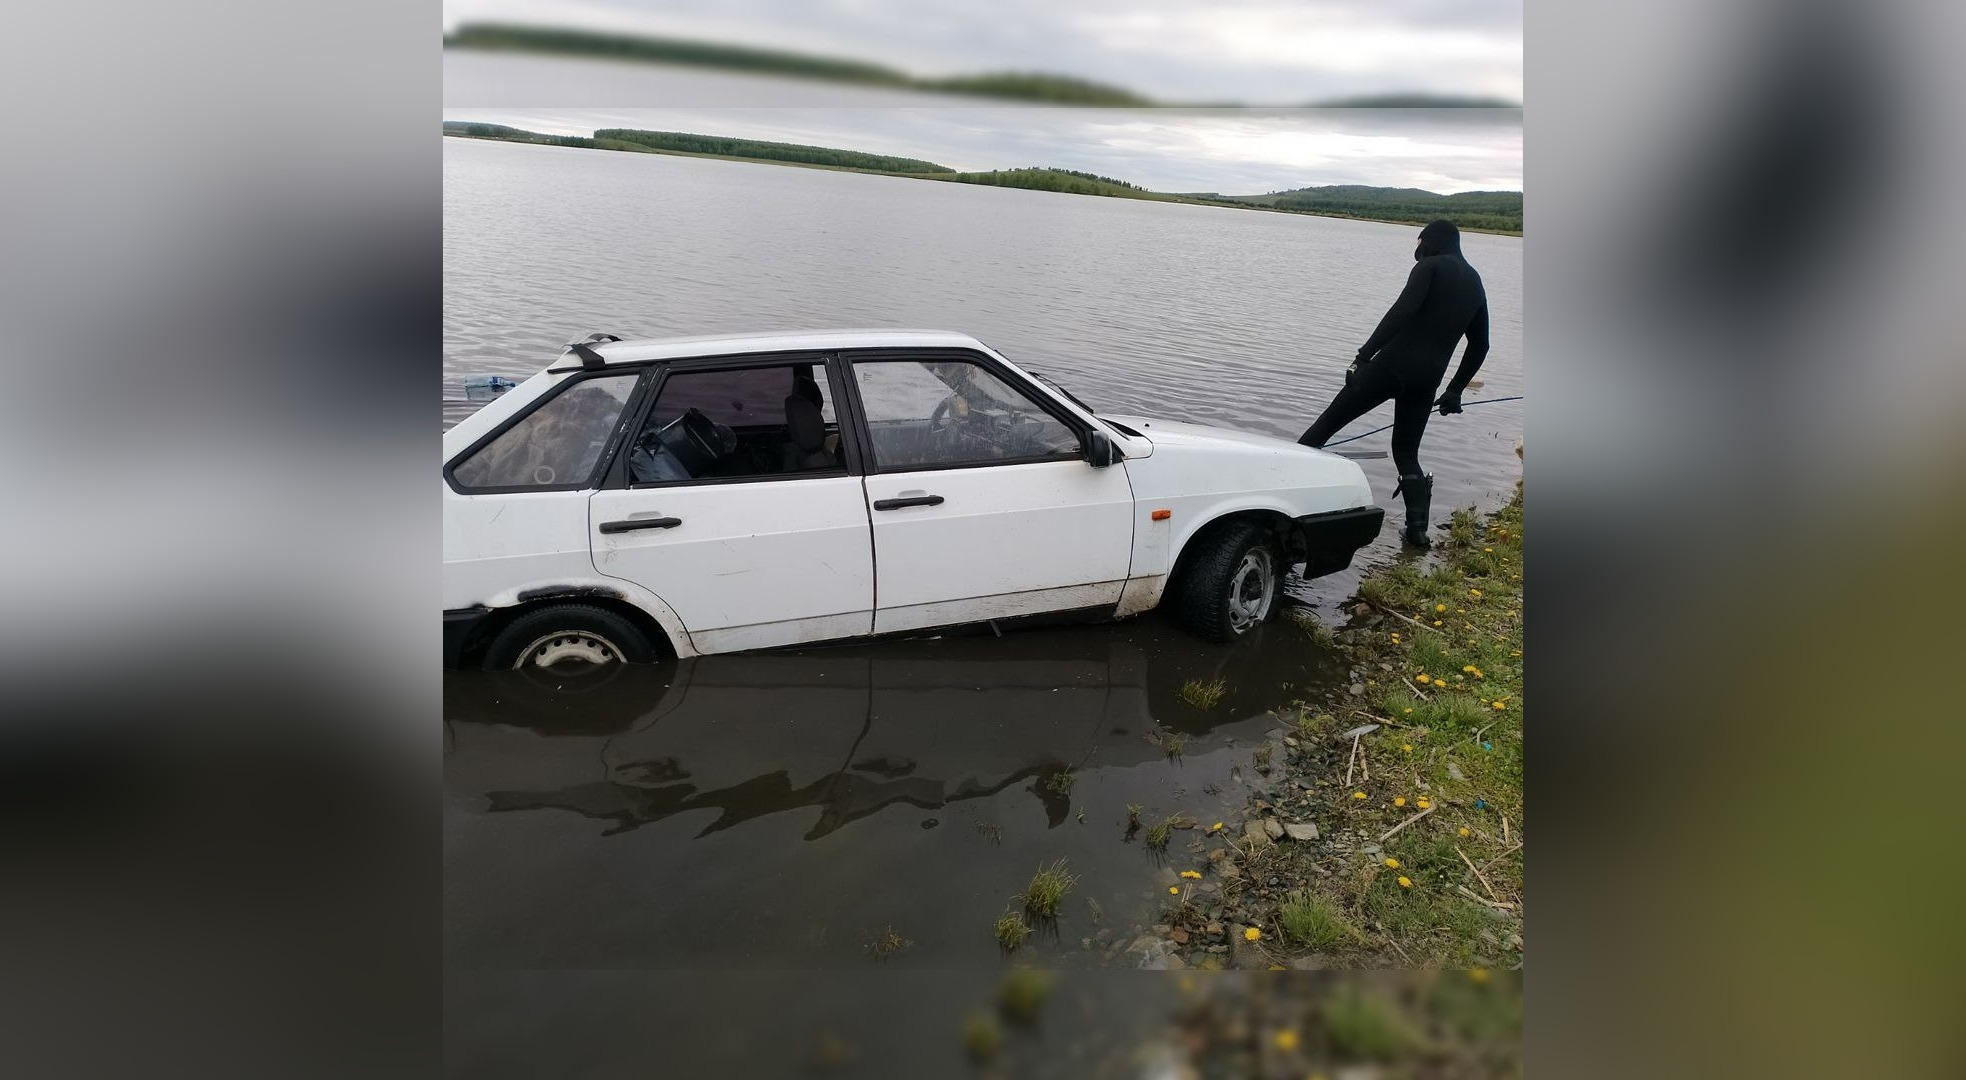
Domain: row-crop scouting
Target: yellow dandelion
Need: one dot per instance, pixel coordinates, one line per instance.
(1401, 801)
(1286, 1040)
(1500, 705)
(1436, 622)
(1405, 882)
(1252, 934)
(1408, 709)
(1358, 794)
(1464, 831)
(1440, 607)
(1423, 678)
(1487, 549)
(1478, 976)
(1406, 746)
(1468, 669)
(1392, 863)
(1172, 890)
(1423, 803)
(1192, 874)
(1476, 593)
(1217, 827)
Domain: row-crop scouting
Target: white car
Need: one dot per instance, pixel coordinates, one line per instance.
(690, 496)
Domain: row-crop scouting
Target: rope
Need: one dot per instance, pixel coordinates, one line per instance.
(1377, 430)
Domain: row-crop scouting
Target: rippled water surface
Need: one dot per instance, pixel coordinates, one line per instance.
(773, 811)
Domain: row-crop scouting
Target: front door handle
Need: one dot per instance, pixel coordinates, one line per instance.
(912, 500)
(633, 524)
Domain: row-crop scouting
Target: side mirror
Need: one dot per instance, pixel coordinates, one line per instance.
(1099, 450)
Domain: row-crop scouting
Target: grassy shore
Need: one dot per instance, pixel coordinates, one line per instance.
(1411, 776)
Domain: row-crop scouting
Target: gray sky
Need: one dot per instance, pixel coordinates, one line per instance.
(1232, 152)
(1278, 52)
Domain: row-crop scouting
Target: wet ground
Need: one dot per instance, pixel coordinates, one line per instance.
(781, 810)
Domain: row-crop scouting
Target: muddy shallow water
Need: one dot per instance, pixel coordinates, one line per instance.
(799, 803)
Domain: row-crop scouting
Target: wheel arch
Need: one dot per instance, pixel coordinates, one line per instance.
(472, 653)
(1281, 526)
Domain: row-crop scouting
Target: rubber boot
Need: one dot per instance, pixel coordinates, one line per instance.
(1419, 491)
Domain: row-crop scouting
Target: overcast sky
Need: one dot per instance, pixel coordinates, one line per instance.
(1233, 152)
(1279, 52)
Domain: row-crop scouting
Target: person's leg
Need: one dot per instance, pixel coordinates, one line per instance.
(1367, 389)
(1410, 411)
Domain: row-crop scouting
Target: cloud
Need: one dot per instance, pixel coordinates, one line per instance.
(1259, 51)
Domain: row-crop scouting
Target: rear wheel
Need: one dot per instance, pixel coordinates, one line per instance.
(1231, 585)
(568, 638)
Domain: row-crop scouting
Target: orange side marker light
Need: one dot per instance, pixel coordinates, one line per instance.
(1163, 515)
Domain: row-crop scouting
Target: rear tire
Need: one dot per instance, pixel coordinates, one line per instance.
(576, 638)
(1231, 585)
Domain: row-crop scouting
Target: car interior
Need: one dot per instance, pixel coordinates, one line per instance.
(740, 423)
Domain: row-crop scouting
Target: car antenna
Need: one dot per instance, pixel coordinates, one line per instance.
(589, 359)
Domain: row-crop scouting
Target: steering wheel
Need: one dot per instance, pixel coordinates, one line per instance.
(943, 421)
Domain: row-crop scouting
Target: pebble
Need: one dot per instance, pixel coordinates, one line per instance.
(1301, 831)
(1273, 828)
(1356, 689)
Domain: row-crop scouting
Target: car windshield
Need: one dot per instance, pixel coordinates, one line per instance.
(1067, 394)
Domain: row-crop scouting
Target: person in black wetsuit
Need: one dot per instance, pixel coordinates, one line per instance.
(1404, 359)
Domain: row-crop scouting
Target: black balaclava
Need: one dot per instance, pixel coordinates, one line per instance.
(1438, 238)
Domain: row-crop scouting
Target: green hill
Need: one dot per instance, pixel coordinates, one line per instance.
(1481, 211)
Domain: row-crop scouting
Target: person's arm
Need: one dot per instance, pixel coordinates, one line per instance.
(1477, 351)
(1402, 312)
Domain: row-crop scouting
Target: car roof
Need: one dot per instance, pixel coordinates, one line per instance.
(680, 348)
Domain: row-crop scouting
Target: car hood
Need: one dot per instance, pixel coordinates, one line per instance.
(1175, 433)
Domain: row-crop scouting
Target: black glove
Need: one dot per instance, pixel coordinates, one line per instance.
(1350, 374)
(1450, 402)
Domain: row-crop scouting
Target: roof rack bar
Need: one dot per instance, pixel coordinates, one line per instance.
(589, 359)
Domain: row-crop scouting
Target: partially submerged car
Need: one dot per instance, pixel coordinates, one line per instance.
(690, 496)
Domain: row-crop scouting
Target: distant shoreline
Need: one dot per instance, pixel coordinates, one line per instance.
(1039, 179)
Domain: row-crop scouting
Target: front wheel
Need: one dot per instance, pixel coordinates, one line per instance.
(568, 637)
(1231, 585)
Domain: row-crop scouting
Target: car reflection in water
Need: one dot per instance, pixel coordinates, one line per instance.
(846, 731)
(970, 735)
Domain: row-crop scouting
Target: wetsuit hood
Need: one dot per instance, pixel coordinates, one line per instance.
(1438, 238)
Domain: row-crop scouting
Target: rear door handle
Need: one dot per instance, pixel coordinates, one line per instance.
(633, 524)
(912, 500)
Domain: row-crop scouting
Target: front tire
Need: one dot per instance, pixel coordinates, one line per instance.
(567, 637)
(1231, 585)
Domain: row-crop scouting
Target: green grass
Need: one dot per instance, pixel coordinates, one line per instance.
(1060, 783)
(1011, 930)
(1314, 922)
(1362, 1026)
(1159, 831)
(1047, 890)
(1022, 994)
(1262, 757)
(1203, 695)
(886, 943)
(1133, 811)
(982, 1038)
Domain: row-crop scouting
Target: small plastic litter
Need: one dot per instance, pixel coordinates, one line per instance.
(486, 387)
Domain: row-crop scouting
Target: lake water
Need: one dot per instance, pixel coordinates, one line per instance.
(771, 812)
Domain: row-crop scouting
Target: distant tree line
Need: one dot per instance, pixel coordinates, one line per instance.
(1499, 211)
(769, 151)
(1041, 179)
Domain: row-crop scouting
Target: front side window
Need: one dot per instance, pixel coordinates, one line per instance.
(738, 424)
(558, 443)
(936, 413)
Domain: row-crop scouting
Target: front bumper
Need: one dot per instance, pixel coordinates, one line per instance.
(1333, 537)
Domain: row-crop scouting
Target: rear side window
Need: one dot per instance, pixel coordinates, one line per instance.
(742, 423)
(557, 444)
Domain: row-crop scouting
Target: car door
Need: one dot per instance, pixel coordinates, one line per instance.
(736, 503)
(983, 503)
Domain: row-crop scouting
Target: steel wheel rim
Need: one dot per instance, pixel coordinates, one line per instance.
(560, 646)
(1252, 589)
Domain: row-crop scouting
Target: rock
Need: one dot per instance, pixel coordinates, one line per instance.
(1255, 832)
(1301, 831)
(1175, 963)
(1163, 929)
(1218, 854)
(1212, 928)
(1178, 936)
(1273, 827)
(1290, 741)
(1363, 610)
(1230, 871)
(1454, 772)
